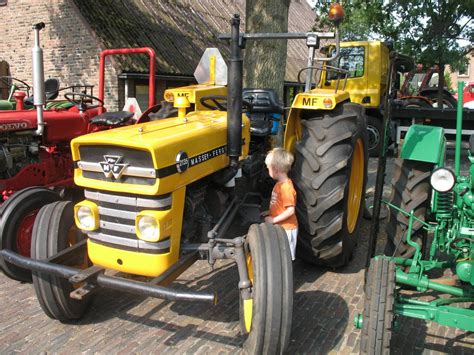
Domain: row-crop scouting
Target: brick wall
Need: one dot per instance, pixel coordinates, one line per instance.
(70, 49)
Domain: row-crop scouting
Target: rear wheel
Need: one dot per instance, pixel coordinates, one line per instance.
(448, 100)
(411, 191)
(377, 323)
(53, 231)
(374, 135)
(266, 316)
(330, 177)
(17, 216)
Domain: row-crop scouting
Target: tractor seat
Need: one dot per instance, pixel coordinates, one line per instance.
(51, 90)
(265, 108)
(263, 100)
(112, 118)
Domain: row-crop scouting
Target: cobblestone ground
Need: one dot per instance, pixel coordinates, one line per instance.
(325, 303)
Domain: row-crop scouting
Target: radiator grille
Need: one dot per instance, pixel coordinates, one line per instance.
(117, 219)
(117, 164)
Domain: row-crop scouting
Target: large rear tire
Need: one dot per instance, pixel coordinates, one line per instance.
(330, 174)
(378, 308)
(53, 231)
(266, 318)
(411, 191)
(17, 216)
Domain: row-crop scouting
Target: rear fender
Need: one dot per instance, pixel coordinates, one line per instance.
(424, 143)
(314, 100)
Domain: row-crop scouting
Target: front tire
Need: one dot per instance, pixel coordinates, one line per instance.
(53, 231)
(17, 216)
(330, 174)
(266, 318)
(411, 190)
(378, 308)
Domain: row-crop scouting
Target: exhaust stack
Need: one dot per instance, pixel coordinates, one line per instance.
(234, 98)
(39, 97)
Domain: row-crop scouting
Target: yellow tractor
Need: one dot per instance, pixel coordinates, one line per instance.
(160, 195)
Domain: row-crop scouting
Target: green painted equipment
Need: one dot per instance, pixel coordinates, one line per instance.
(430, 228)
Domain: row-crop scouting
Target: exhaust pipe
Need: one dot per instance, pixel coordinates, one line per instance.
(234, 95)
(39, 97)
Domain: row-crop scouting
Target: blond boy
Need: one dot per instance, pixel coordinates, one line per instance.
(283, 200)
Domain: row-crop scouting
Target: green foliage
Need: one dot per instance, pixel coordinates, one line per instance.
(447, 81)
(427, 30)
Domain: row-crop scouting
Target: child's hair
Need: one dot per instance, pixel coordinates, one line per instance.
(280, 159)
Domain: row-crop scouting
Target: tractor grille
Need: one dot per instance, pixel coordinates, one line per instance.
(117, 220)
(117, 164)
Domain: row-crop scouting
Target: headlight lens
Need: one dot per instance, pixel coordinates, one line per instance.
(148, 228)
(85, 217)
(442, 180)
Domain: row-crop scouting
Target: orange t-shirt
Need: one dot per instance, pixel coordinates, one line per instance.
(283, 196)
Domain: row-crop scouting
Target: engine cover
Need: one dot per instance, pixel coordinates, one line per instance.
(155, 158)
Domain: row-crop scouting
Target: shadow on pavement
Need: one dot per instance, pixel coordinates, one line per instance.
(325, 317)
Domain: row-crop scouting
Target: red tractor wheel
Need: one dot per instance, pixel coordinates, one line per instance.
(17, 216)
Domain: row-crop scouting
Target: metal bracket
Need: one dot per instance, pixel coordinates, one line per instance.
(86, 274)
(83, 292)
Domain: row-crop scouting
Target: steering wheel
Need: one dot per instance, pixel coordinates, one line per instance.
(70, 96)
(6, 80)
(219, 102)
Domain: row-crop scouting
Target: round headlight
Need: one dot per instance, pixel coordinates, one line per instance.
(148, 228)
(442, 180)
(85, 217)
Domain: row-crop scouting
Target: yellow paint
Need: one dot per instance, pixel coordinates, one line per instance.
(129, 262)
(95, 213)
(356, 182)
(164, 139)
(194, 93)
(316, 99)
(140, 263)
(374, 81)
(248, 313)
(164, 220)
(212, 70)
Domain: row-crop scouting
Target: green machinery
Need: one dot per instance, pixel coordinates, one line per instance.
(430, 230)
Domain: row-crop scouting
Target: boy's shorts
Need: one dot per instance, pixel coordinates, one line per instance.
(292, 234)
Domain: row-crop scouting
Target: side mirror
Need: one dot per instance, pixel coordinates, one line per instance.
(336, 14)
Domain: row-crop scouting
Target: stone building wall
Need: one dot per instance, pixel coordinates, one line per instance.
(70, 48)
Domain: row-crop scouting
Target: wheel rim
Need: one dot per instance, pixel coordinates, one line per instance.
(374, 136)
(248, 304)
(356, 182)
(23, 237)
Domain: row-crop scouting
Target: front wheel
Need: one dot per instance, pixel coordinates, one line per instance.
(411, 191)
(377, 325)
(53, 231)
(330, 173)
(17, 216)
(266, 317)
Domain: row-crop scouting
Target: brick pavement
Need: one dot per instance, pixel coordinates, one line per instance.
(325, 303)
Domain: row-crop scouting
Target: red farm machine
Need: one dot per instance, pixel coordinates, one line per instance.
(35, 156)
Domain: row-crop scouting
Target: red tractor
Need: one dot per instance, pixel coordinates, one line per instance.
(422, 83)
(35, 157)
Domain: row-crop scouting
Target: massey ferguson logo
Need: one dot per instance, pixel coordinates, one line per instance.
(182, 162)
(112, 166)
(12, 126)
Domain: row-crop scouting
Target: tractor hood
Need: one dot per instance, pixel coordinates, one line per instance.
(157, 157)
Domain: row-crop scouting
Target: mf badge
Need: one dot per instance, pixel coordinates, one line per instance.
(112, 166)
